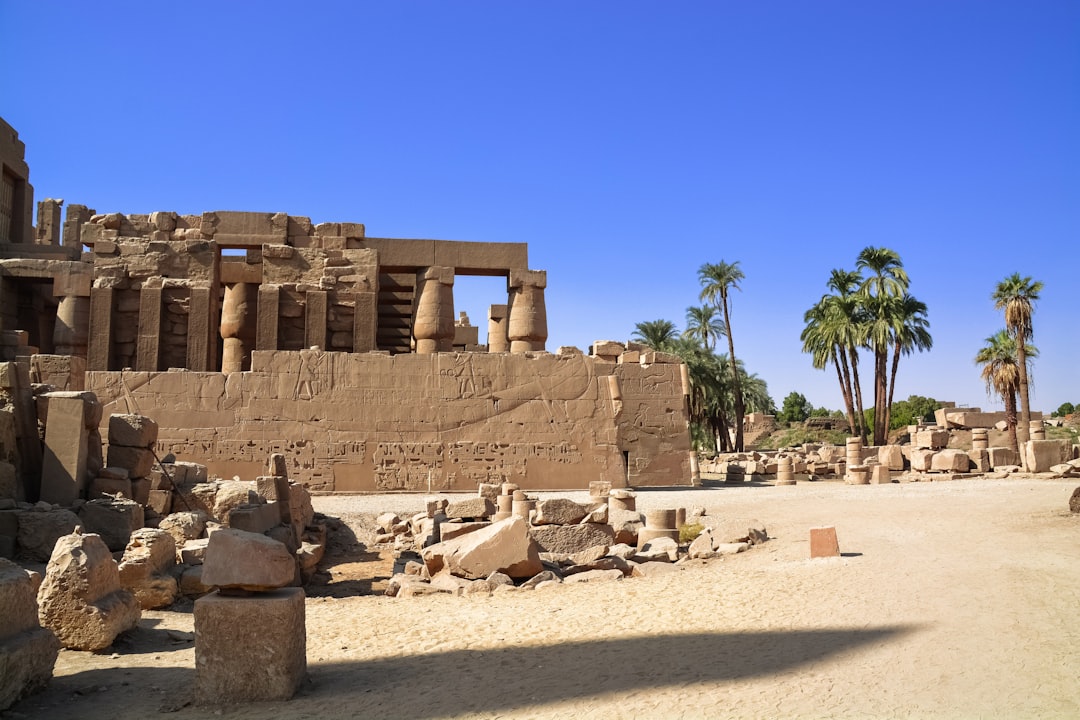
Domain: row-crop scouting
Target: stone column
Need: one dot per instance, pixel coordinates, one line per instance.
(1038, 430)
(497, 339)
(71, 334)
(980, 439)
(527, 322)
(785, 471)
(234, 314)
(433, 318)
(148, 348)
(854, 462)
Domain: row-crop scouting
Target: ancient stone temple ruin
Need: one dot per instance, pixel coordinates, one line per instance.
(245, 334)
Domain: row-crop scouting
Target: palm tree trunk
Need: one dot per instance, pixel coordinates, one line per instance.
(736, 387)
(858, 392)
(1024, 426)
(845, 388)
(881, 362)
(892, 389)
(1010, 420)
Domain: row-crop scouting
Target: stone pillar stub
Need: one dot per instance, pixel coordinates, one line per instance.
(527, 312)
(433, 316)
(149, 340)
(315, 315)
(63, 471)
(497, 338)
(365, 320)
(235, 310)
(266, 334)
(71, 333)
(99, 352)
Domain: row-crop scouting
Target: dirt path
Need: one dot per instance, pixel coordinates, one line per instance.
(952, 600)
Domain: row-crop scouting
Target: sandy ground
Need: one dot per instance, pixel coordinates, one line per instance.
(952, 600)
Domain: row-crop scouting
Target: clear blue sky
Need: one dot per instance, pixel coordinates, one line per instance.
(626, 142)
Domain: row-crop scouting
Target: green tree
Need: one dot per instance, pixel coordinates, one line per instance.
(911, 332)
(1001, 372)
(1066, 408)
(796, 408)
(717, 282)
(1016, 296)
(657, 334)
(886, 282)
(703, 324)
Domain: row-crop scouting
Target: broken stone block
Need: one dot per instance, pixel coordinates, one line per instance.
(661, 549)
(137, 461)
(27, 650)
(594, 576)
(39, 529)
(625, 523)
(113, 520)
(477, 507)
(254, 518)
(950, 460)
(64, 464)
(558, 511)
(191, 584)
(501, 547)
(135, 431)
(102, 486)
(922, 459)
(703, 546)
(891, 456)
(81, 599)
(1074, 501)
(145, 569)
(931, 439)
(247, 561)
(451, 530)
(1041, 455)
(569, 539)
(823, 542)
(1001, 457)
(249, 649)
(184, 526)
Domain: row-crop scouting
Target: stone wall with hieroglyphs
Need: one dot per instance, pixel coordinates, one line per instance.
(446, 421)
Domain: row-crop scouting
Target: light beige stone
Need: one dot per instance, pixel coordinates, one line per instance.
(112, 519)
(501, 547)
(27, 651)
(132, 430)
(39, 529)
(247, 561)
(569, 539)
(950, 460)
(81, 599)
(145, 569)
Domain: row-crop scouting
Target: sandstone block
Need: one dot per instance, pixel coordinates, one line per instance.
(703, 546)
(132, 431)
(570, 539)
(476, 507)
(145, 569)
(922, 459)
(823, 542)
(891, 456)
(1002, 456)
(101, 486)
(661, 549)
(81, 599)
(558, 511)
(950, 460)
(40, 529)
(137, 461)
(113, 520)
(451, 530)
(931, 439)
(27, 650)
(247, 561)
(625, 524)
(191, 584)
(254, 518)
(504, 546)
(250, 649)
(1041, 455)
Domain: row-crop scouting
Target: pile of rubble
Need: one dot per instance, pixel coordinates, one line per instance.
(504, 540)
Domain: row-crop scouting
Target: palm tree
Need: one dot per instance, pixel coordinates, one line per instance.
(910, 333)
(657, 334)
(887, 279)
(717, 280)
(1001, 373)
(703, 325)
(1016, 296)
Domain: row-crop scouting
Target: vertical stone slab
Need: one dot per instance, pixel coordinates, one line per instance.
(365, 320)
(63, 471)
(496, 337)
(315, 315)
(147, 350)
(15, 378)
(266, 331)
(200, 312)
(99, 355)
(250, 649)
(823, 542)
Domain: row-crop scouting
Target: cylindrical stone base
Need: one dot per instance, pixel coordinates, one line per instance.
(622, 500)
(858, 475)
(660, 519)
(524, 508)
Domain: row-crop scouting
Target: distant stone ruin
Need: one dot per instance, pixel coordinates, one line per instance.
(244, 334)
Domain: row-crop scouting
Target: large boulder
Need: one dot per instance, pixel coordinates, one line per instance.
(558, 511)
(146, 568)
(81, 599)
(240, 560)
(40, 529)
(27, 650)
(504, 546)
(571, 539)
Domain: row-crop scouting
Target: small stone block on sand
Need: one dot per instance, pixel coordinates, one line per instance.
(823, 542)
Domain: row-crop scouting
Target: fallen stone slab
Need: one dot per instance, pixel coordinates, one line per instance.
(570, 539)
(505, 546)
(558, 511)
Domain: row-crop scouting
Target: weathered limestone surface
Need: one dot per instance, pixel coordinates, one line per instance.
(81, 599)
(504, 547)
(1041, 455)
(250, 649)
(542, 421)
(247, 561)
(27, 650)
(40, 529)
(571, 538)
(145, 568)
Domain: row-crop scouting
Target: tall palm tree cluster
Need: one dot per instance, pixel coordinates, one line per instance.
(722, 391)
(1007, 354)
(873, 312)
